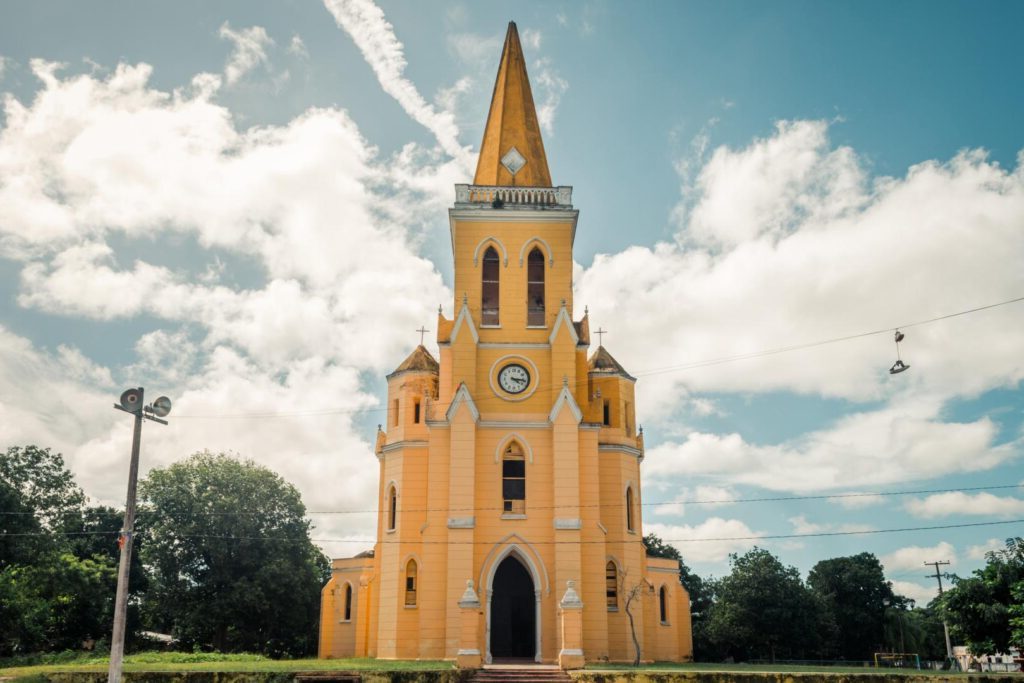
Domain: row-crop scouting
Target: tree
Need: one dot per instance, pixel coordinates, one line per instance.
(233, 567)
(981, 610)
(44, 485)
(856, 592)
(763, 610)
(632, 593)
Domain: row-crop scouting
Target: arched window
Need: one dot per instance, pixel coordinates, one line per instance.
(348, 602)
(662, 605)
(489, 292)
(392, 508)
(535, 288)
(410, 583)
(611, 586)
(513, 479)
(629, 509)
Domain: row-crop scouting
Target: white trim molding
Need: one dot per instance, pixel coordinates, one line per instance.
(461, 522)
(563, 318)
(568, 523)
(547, 249)
(464, 316)
(512, 436)
(490, 238)
(462, 396)
(565, 400)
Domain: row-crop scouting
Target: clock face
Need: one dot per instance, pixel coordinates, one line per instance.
(514, 378)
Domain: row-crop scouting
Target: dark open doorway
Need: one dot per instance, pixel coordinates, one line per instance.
(513, 611)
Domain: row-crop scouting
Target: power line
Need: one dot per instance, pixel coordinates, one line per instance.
(656, 371)
(616, 505)
(762, 537)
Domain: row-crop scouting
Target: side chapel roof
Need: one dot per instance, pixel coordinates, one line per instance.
(512, 122)
(603, 363)
(419, 360)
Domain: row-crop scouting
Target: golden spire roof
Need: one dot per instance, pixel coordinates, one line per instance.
(512, 125)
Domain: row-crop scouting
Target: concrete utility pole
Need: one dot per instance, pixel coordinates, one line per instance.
(131, 402)
(945, 627)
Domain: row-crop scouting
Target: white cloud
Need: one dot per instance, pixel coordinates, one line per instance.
(705, 542)
(704, 497)
(978, 552)
(5, 64)
(787, 242)
(960, 503)
(270, 369)
(297, 47)
(857, 501)
(914, 557)
(374, 36)
(903, 441)
(921, 594)
(802, 526)
(250, 50)
(550, 87)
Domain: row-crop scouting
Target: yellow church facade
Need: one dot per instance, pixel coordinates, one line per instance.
(510, 522)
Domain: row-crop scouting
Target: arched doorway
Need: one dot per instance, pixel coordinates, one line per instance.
(513, 611)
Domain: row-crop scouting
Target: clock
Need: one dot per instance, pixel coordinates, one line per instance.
(514, 378)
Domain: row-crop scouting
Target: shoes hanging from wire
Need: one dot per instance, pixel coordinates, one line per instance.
(899, 366)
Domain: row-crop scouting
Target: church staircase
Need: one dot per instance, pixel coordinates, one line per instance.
(522, 673)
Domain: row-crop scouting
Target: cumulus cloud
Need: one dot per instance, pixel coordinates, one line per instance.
(708, 541)
(249, 51)
(705, 497)
(805, 527)
(856, 501)
(788, 241)
(550, 86)
(959, 503)
(268, 366)
(903, 441)
(914, 557)
(375, 37)
(978, 552)
(921, 594)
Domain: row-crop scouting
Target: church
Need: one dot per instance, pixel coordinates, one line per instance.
(510, 521)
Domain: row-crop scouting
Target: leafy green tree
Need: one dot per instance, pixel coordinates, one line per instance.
(762, 609)
(856, 592)
(982, 609)
(44, 485)
(233, 567)
(57, 603)
(700, 590)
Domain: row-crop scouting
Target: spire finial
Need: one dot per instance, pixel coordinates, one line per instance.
(422, 330)
(600, 335)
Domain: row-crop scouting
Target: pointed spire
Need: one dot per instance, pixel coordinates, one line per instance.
(512, 124)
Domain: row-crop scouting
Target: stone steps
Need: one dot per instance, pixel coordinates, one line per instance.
(520, 674)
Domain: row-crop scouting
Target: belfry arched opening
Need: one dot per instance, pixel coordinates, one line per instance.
(513, 612)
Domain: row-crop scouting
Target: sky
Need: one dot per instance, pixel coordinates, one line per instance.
(242, 206)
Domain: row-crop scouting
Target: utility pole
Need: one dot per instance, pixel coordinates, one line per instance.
(131, 402)
(945, 627)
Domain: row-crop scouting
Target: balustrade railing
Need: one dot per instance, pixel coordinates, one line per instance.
(514, 196)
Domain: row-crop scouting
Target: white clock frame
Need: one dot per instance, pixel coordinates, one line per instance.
(498, 365)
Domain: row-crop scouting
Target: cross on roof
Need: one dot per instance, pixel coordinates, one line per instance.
(422, 332)
(600, 336)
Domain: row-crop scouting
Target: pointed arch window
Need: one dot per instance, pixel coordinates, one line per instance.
(513, 479)
(629, 510)
(611, 586)
(663, 605)
(348, 602)
(410, 584)
(392, 508)
(489, 291)
(535, 288)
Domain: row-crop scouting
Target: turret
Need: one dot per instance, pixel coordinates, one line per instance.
(612, 396)
(411, 387)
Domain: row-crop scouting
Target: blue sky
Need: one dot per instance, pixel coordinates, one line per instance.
(179, 198)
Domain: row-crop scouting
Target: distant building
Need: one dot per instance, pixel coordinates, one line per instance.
(989, 662)
(513, 461)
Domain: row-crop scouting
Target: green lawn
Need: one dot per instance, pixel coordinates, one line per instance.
(184, 661)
